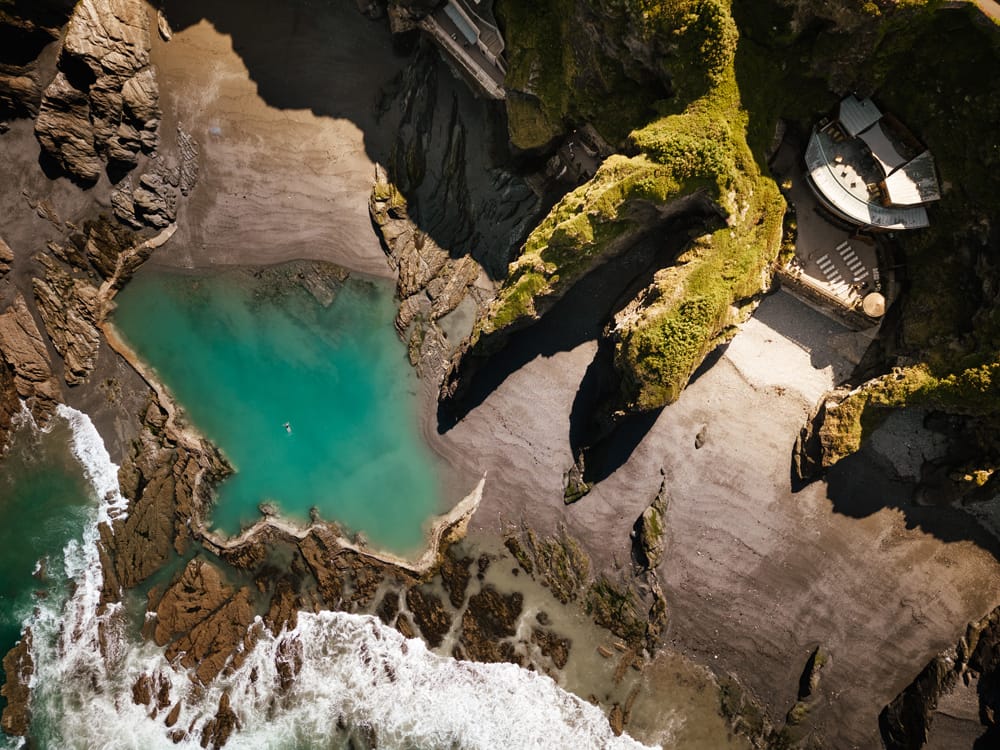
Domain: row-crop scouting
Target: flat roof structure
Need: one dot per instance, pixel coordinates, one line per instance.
(882, 148)
(465, 28)
(914, 183)
(857, 115)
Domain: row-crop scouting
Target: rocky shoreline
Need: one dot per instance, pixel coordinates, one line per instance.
(813, 607)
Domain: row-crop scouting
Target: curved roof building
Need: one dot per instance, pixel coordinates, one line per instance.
(862, 173)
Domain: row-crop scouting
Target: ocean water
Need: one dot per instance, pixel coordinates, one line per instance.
(359, 681)
(44, 501)
(247, 355)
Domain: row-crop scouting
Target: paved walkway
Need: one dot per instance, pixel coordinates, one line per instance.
(990, 7)
(468, 55)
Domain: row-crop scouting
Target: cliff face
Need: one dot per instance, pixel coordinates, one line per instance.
(664, 76)
(102, 104)
(25, 30)
(909, 721)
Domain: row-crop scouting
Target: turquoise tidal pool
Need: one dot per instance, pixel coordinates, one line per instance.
(314, 405)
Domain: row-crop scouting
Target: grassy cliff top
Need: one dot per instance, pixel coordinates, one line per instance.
(690, 146)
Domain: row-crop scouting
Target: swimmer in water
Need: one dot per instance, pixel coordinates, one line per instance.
(288, 427)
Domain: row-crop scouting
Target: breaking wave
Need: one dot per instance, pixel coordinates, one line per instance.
(335, 680)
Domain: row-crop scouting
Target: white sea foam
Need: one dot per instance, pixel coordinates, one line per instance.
(357, 677)
(89, 449)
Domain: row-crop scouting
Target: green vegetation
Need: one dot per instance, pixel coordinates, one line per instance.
(694, 98)
(615, 609)
(558, 75)
(691, 146)
(937, 70)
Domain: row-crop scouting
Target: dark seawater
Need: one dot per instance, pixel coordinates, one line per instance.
(44, 498)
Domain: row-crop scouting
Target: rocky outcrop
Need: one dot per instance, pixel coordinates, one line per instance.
(430, 283)
(19, 667)
(489, 619)
(219, 728)
(69, 309)
(23, 349)
(429, 614)
(153, 202)
(648, 543)
(202, 619)
(552, 645)
(164, 482)
(102, 105)
(152, 690)
(6, 258)
(906, 722)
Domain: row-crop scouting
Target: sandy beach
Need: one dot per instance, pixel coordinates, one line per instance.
(284, 115)
(755, 575)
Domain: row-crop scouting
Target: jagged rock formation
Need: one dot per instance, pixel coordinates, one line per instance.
(430, 283)
(153, 202)
(202, 619)
(102, 105)
(18, 667)
(23, 350)
(68, 307)
(907, 721)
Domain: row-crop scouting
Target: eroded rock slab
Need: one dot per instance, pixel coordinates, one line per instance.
(23, 349)
(69, 309)
(202, 619)
(102, 105)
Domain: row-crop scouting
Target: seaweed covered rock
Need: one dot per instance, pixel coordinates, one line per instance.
(690, 157)
(489, 618)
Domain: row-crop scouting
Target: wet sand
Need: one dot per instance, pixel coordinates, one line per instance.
(282, 105)
(755, 575)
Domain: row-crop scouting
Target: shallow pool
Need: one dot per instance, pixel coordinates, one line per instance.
(315, 405)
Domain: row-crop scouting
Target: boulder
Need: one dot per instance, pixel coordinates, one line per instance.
(6, 257)
(430, 615)
(489, 618)
(19, 668)
(648, 543)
